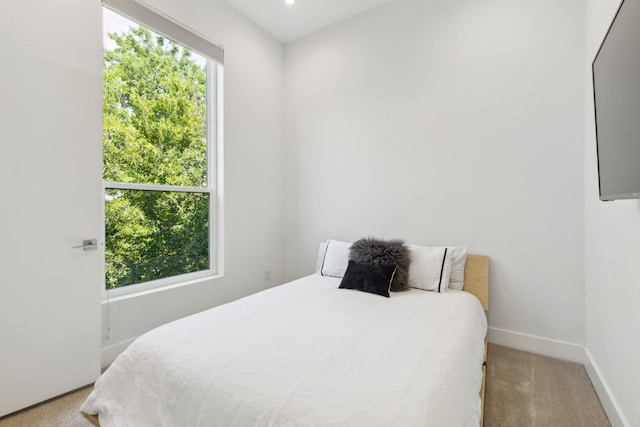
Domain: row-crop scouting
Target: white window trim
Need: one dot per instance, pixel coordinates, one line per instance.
(146, 15)
(215, 154)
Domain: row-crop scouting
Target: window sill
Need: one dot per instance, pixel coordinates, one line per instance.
(106, 298)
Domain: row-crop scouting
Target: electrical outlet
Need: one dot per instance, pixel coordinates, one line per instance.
(267, 274)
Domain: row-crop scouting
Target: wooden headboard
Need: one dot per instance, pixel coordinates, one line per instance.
(476, 278)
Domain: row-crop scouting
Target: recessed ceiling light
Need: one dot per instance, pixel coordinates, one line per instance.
(289, 1)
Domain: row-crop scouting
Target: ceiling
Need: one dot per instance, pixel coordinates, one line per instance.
(288, 23)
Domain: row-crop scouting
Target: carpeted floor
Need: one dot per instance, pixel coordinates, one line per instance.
(523, 390)
(59, 412)
(528, 390)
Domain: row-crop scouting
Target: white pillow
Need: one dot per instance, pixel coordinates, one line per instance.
(458, 261)
(336, 258)
(430, 268)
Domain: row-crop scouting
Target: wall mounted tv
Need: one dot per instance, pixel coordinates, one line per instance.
(616, 92)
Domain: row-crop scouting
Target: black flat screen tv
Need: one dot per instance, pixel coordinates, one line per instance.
(616, 93)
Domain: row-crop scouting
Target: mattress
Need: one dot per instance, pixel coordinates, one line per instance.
(304, 354)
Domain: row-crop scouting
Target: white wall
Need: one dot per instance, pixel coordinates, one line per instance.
(612, 254)
(449, 123)
(254, 177)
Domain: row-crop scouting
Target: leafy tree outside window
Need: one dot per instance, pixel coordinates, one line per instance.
(156, 173)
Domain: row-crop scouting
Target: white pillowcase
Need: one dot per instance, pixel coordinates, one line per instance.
(336, 258)
(430, 268)
(458, 261)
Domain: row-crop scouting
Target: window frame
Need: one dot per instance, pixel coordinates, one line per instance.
(214, 56)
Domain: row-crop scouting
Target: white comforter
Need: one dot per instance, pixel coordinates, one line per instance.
(304, 354)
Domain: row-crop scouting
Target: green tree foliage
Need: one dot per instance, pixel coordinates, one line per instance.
(154, 133)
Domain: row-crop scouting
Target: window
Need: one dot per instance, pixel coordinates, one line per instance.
(161, 147)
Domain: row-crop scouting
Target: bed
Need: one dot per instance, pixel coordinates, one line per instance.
(307, 353)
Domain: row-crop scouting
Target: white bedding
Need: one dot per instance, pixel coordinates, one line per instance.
(304, 354)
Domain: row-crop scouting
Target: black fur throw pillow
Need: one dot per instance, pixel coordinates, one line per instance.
(373, 251)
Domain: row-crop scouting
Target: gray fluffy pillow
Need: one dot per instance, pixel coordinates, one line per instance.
(373, 251)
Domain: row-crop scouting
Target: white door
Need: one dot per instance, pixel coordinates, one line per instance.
(50, 175)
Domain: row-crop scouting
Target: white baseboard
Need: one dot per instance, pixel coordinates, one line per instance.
(609, 403)
(544, 346)
(110, 353)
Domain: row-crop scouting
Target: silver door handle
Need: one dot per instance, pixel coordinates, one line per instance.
(88, 245)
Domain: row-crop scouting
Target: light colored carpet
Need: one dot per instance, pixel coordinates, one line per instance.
(63, 411)
(527, 390)
(523, 390)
